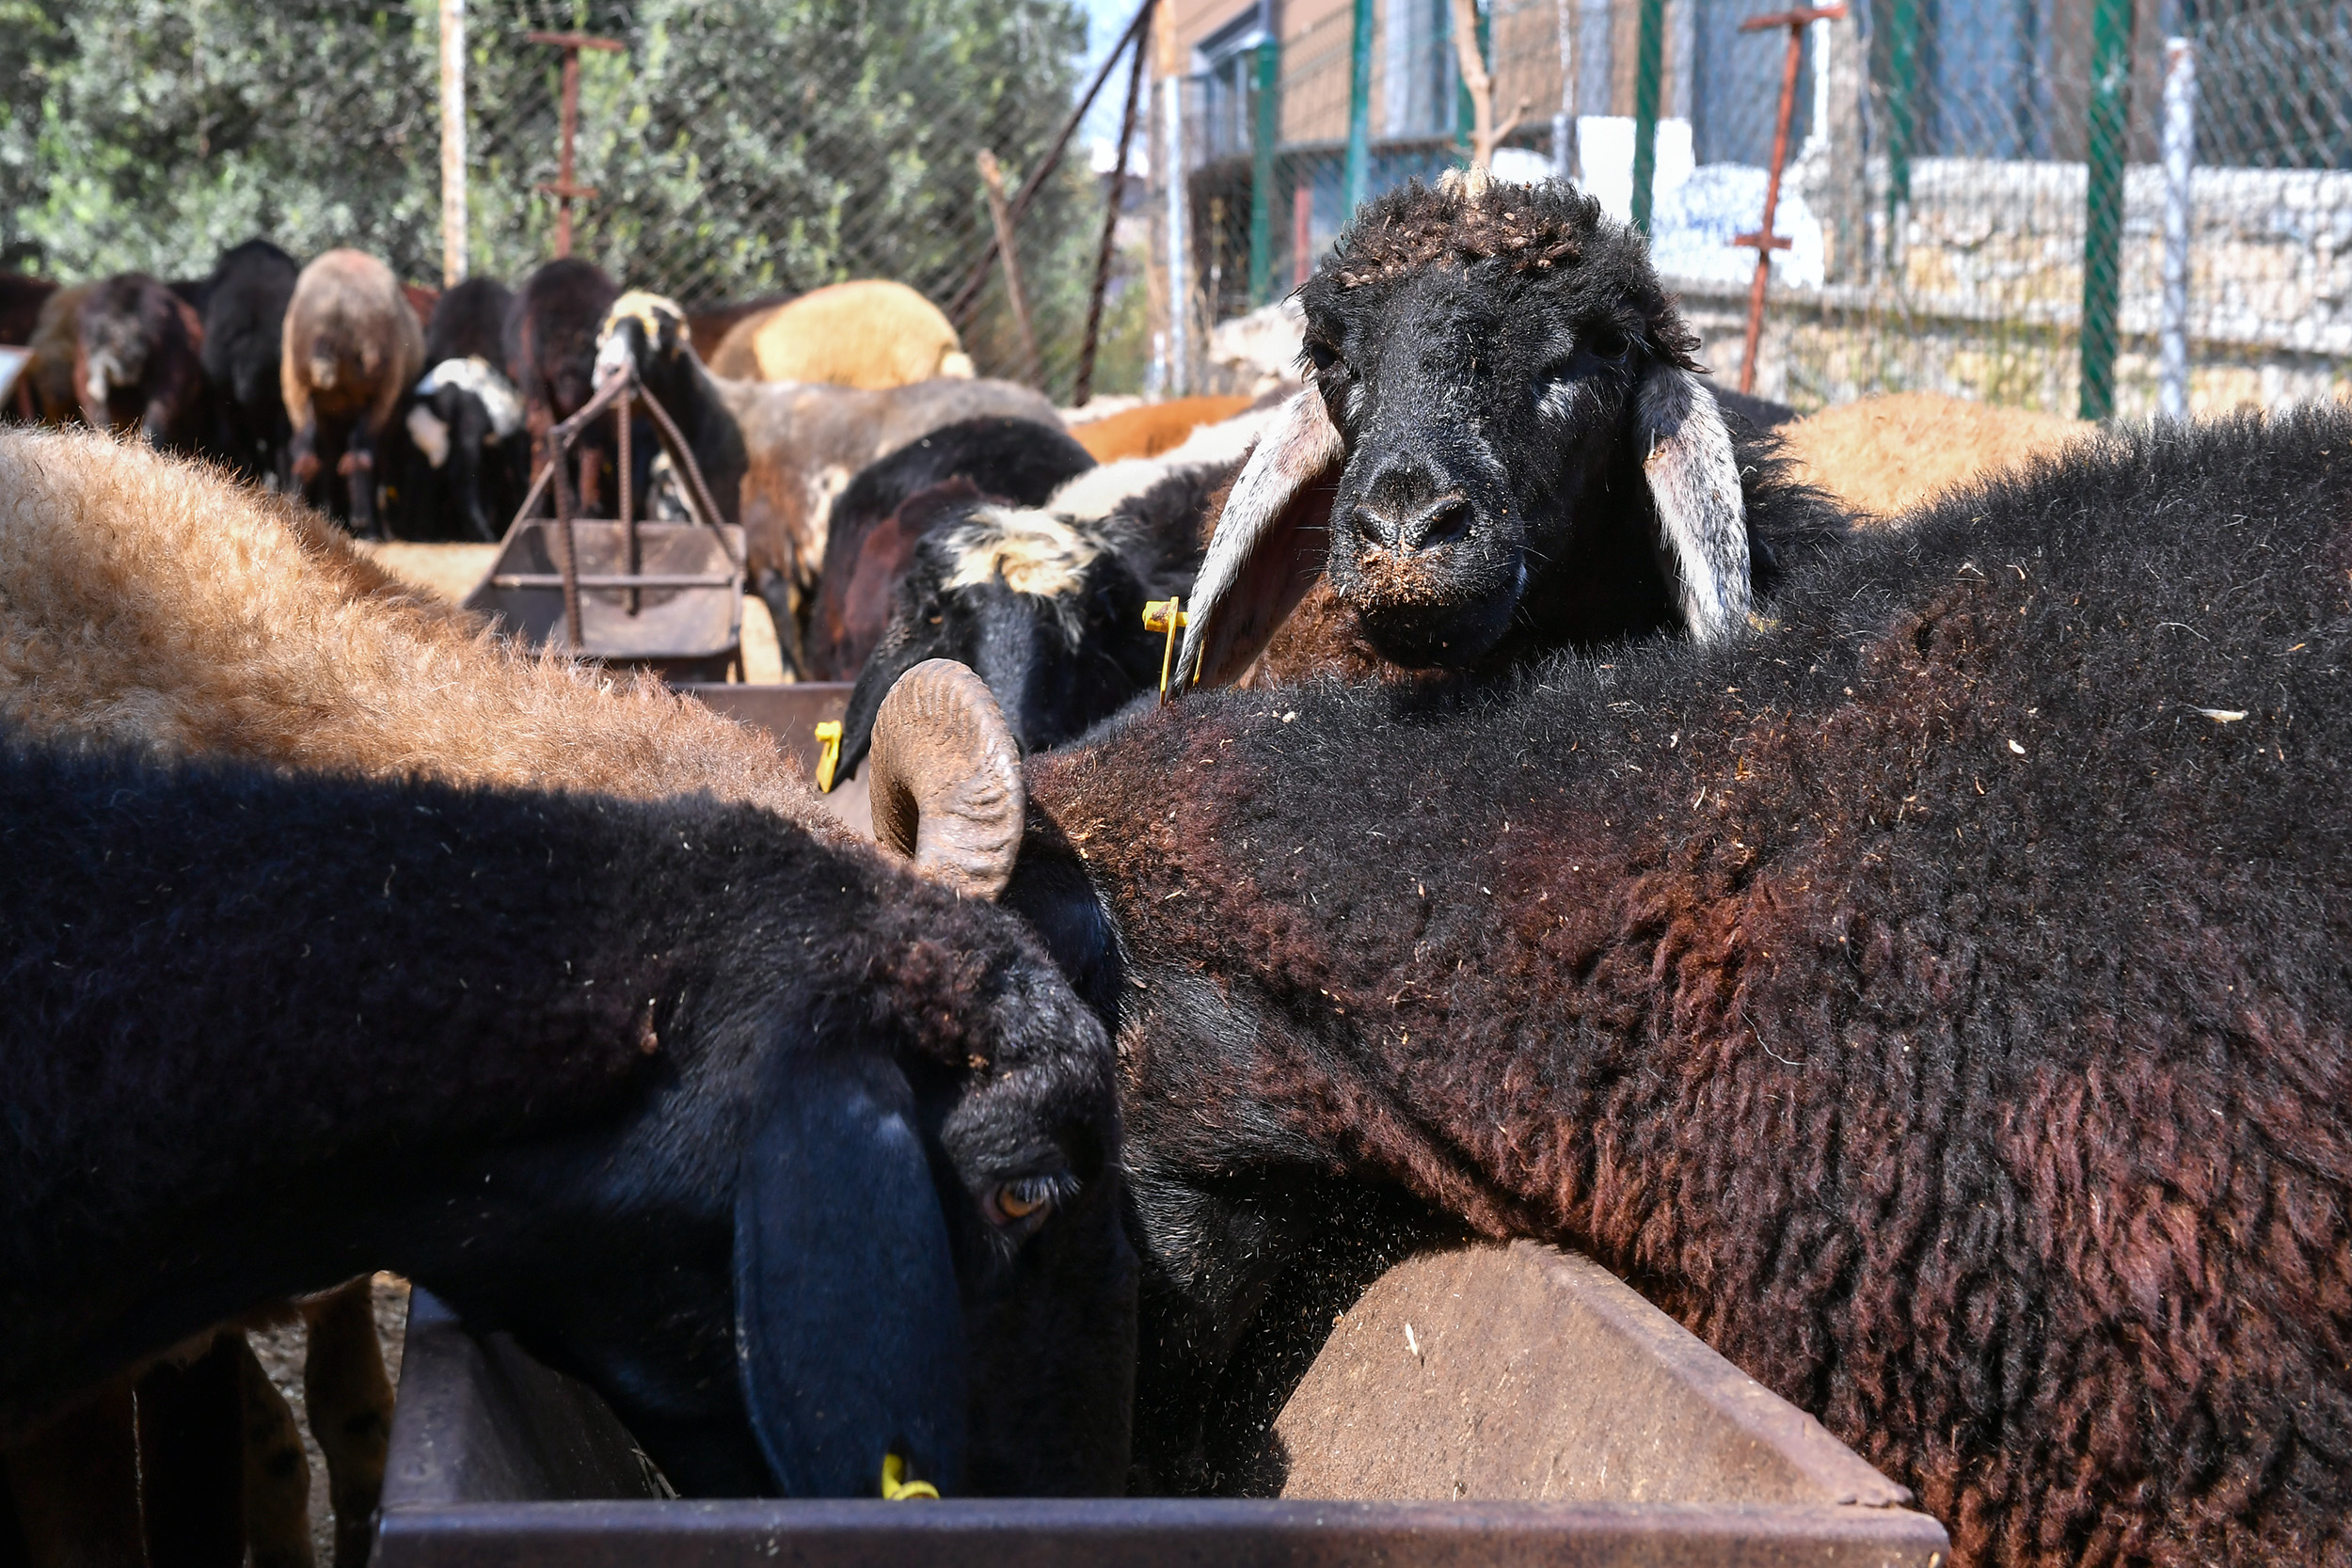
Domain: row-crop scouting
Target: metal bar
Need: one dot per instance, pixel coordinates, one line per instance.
(1765, 240)
(967, 293)
(564, 166)
(628, 509)
(631, 582)
(453, 143)
(1266, 133)
(1357, 168)
(569, 559)
(2102, 225)
(1648, 68)
(698, 496)
(2180, 158)
(1103, 252)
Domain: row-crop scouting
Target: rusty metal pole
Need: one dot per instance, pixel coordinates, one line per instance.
(1764, 240)
(564, 190)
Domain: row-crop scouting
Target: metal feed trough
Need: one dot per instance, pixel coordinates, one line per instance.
(668, 596)
(1493, 1405)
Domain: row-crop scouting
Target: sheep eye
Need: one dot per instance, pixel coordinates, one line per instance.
(1022, 1198)
(1323, 355)
(1607, 341)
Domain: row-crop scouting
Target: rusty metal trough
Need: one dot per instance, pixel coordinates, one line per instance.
(1538, 1411)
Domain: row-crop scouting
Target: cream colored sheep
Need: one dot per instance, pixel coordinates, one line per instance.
(1884, 456)
(871, 334)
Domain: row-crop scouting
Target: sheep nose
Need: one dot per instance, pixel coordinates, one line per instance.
(1408, 525)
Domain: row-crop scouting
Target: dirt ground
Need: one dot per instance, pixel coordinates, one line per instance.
(1888, 454)
(280, 1351)
(452, 570)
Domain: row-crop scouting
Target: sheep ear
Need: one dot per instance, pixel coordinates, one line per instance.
(848, 1326)
(1271, 545)
(1694, 483)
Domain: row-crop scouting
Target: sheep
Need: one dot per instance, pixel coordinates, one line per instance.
(1883, 456)
(802, 446)
(1935, 998)
(245, 324)
(463, 421)
(1047, 603)
(536, 1051)
(870, 333)
(551, 342)
(1155, 427)
(871, 537)
(650, 332)
(138, 362)
(48, 379)
(1507, 449)
(155, 607)
(20, 299)
(351, 350)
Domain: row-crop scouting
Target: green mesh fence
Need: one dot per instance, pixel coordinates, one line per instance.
(1976, 195)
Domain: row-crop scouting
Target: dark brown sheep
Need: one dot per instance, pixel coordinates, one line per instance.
(351, 348)
(552, 358)
(138, 362)
(20, 299)
(1937, 998)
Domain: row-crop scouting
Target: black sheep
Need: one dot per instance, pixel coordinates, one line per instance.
(245, 326)
(869, 542)
(138, 362)
(1936, 999)
(1505, 449)
(258, 1032)
(1044, 604)
(550, 345)
(650, 331)
(469, 461)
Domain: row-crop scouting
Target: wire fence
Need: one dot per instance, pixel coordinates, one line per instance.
(732, 161)
(1976, 196)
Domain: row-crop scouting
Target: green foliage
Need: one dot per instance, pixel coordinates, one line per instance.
(738, 146)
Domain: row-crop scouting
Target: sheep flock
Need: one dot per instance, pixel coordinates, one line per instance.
(1878, 884)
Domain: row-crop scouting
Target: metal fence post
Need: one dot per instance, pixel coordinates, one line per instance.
(1903, 77)
(1564, 123)
(1266, 130)
(2180, 157)
(1648, 67)
(1359, 109)
(2102, 218)
(453, 143)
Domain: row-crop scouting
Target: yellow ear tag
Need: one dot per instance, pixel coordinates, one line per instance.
(895, 1487)
(1166, 615)
(828, 753)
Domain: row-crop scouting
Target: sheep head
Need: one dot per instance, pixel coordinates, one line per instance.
(1498, 376)
(644, 328)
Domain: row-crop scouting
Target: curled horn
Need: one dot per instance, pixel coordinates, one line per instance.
(945, 779)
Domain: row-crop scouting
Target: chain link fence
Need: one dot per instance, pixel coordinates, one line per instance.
(1976, 193)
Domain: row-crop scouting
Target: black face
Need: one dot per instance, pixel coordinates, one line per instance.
(800, 1258)
(1056, 663)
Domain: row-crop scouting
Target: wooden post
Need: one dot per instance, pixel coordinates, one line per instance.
(565, 190)
(1764, 240)
(453, 143)
(993, 177)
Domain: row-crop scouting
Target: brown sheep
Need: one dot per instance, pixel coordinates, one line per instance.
(1154, 428)
(20, 299)
(157, 605)
(353, 347)
(1884, 456)
(869, 334)
(47, 384)
(804, 444)
(138, 362)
